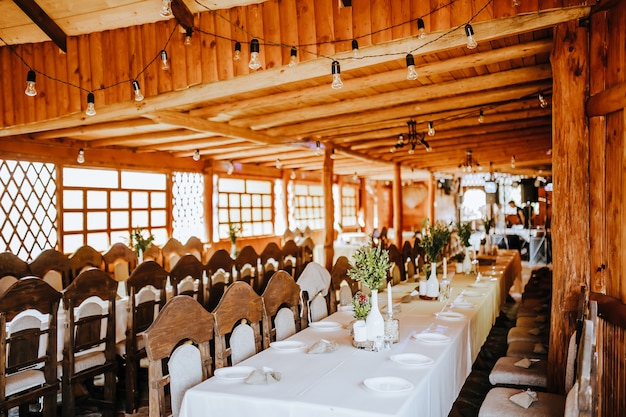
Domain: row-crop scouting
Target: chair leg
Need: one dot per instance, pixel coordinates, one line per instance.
(69, 399)
(131, 385)
(50, 405)
(109, 393)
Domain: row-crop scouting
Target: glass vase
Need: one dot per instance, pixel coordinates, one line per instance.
(374, 322)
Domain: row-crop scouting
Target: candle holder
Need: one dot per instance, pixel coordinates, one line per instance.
(392, 329)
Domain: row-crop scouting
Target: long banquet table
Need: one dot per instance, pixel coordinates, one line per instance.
(331, 384)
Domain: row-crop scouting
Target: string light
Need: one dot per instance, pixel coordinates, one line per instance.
(237, 55)
(196, 155)
(279, 164)
(332, 154)
(431, 129)
(166, 9)
(513, 161)
(318, 148)
(81, 156)
(231, 168)
(254, 63)
(410, 64)
(399, 144)
(543, 103)
(91, 107)
(427, 146)
(165, 65)
(471, 42)
(292, 176)
(421, 28)
(293, 57)
(355, 49)
(137, 89)
(31, 79)
(188, 34)
(481, 117)
(516, 3)
(355, 177)
(336, 70)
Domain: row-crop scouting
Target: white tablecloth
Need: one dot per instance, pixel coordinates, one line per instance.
(331, 384)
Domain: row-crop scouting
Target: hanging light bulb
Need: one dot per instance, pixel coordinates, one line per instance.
(410, 64)
(237, 55)
(279, 164)
(196, 155)
(31, 79)
(431, 129)
(165, 65)
(355, 49)
(392, 149)
(332, 154)
(188, 34)
(427, 146)
(254, 63)
(412, 149)
(292, 176)
(336, 70)
(355, 177)
(293, 57)
(91, 108)
(513, 161)
(231, 168)
(421, 28)
(543, 103)
(481, 117)
(318, 148)
(81, 156)
(166, 10)
(471, 42)
(137, 89)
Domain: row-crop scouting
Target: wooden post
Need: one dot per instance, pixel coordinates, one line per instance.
(570, 216)
(432, 189)
(208, 203)
(397, 204)
(329, 209)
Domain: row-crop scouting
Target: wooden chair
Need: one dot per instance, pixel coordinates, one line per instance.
(153, 253)
(89, 345)
(315, 284)
(182, 320)
(28, 348)
(195, 247)
(247, 265)
(85, 257)
(172, 251)
(271, 260)
(146, 289)
(238, 323)
(308, 246)
(418, 255)
(281, 299)
(219, 272)
(12, 265)
(396, 273)
(288, 235)
(292, 257)
(408, 261)
(187, 278)
(53, 267)
(342, 286)
(120, 261)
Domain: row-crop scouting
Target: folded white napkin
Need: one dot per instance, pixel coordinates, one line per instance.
(524, 398)
(263, 376)
(525, 363)
(323, 346)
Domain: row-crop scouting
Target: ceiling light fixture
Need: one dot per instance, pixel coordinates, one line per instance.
(513, 161)
(254, 63)
(293, 57)
(355, 177)
(421, 28)
(237, 55)
(137, 90)
(336, 71)
(469, 163)
(318, 148)
(81, 156)
(355, 49)
(31, 79)
(231, 168)
(413, 138)
(481, 117)
(471, 42)
(91, 107)
(165, 65)
(431, 129)
(279, 164)
(410, 65)
(292, 176)
(543, 103)
(166, 9)
(196, 155)
(332, 154)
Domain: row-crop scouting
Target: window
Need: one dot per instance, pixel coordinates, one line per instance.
(245, 203)
(188, 206)
(101, 206)
(348, 206)
(308, 202)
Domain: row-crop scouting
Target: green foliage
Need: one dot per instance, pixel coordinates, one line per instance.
(464, 230)
(370, 265)
(138, 241)
(233, 232)
(488, 223)
(459, 257)
(436, 238)
(362, 305)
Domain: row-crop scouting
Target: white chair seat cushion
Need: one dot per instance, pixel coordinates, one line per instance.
(120, 347)
(318, 309)
(22, 381)
(185, 368)
(89, 360)
(284, 324)
(497, 404)
(521, 334)
(524, 350)
(504, 372)
(242, 343)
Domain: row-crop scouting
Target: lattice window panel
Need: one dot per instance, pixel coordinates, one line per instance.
(28, 207)
(188, 206)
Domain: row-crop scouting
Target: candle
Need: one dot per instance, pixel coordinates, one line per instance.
(445, 268)
(389, 300)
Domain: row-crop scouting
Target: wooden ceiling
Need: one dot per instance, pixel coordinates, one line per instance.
(210, 103)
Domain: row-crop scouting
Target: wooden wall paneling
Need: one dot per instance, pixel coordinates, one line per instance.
(570, 156)
(209, 56)
(178, 59)
(289, 30)
(138, 56)
(342, 17)
(63, 90)
(148, 47)
(239, 32)
(527, 6)
(362, 22)
(126, 67)
(91, 79)
(193, 55)
(550, 4)
(421, 9)
(50, 53)
(306, 27)
(616, 53)
(381, 21)
(440, 15)
(325, 35)
(254, 17)
(109, 66)
(486, 14)
(77, 98)
(5, 74)
(273, 28)
(400, 19)
(616, 287)
(503, 8)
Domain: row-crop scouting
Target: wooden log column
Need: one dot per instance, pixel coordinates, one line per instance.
(208, 202)
(570, 167)
(329, 209)
(397, 204)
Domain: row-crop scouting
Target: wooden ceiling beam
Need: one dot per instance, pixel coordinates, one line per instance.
(100, 129)
(44, 22)
(147, 139)
(183, 15)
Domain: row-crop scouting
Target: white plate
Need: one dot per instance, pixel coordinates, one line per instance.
(412, 359)
(432, 338)
(463, 305)
(288, 346)
(473, 293)
(388, 384)
(325, 325)
(234, 373)
(450, 315)
(478, 285)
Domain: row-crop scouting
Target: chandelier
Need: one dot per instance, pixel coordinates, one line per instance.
(413, 138)
(470, 163)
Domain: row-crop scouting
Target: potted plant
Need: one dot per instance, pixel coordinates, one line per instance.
(464, 230)
(233, 233)
(370, 266)
(139, 243)
(362, 306)
(437, 237)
